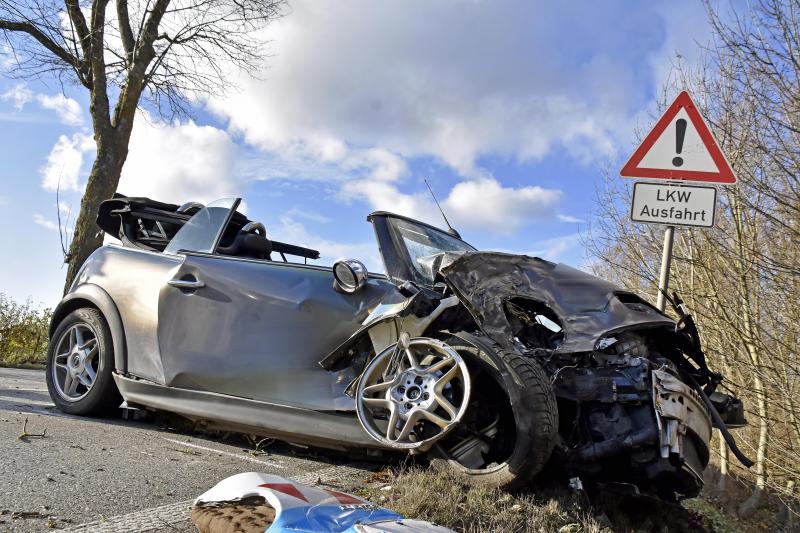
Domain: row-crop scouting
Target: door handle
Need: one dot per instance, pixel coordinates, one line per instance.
(192, 284)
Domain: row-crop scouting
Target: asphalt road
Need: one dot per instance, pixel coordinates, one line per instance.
(117, 475)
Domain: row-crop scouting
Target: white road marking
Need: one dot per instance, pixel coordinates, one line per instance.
(222, 452)
(24, 401)
(144, 520)
(25, 409)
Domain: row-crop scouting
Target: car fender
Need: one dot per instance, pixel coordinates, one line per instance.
(95, 296)
(341, 353)
(382, 316)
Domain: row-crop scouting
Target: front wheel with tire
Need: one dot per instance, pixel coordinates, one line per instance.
(511, 424)
(80, 363)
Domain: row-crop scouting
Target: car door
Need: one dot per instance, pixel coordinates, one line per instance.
(258, 329)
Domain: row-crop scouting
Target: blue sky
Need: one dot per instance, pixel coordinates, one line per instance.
(512, 110)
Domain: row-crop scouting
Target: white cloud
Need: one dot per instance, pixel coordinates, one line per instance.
(355, 101)
(179, 162)
(19, 95)
(44, 222)
(66, 219)
(7, 59)
(555, 248)
(64, 162)
(569, 219)
(453, 79)
(176, 162)
(381, 195)
(379, 164)
(482, 203)
(290, 230)
(486, 203)
(686, 37)
(296, 212)
(68, 110)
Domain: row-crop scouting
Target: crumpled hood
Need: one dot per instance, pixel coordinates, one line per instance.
(589, 308)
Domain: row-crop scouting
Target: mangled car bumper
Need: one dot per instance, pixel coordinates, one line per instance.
(679, 412)
(684, 424)
(636, 401)
(614, 361)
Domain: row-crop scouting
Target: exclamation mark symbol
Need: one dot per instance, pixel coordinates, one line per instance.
(680, 133)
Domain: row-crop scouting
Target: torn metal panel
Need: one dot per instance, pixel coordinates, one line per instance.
(589, 307)
(679, 409)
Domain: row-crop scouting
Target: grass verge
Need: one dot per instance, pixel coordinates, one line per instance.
(441, 498)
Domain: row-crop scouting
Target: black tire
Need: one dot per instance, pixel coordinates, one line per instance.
(529, 396)
(103, 396)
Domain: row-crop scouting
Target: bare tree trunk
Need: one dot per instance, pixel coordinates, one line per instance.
(748, 300)
(721, 489)
(750, 505)
(786, 512)
(112, 132)
(185, 56)
(102, 184)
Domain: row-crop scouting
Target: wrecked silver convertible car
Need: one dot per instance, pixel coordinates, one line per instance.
(494, 365)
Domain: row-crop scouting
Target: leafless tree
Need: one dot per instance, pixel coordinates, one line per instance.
(166, 51)
(742, 277)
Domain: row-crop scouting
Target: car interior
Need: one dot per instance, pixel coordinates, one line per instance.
(151, 225)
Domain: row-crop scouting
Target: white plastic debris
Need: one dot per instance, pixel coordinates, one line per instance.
(300, 508)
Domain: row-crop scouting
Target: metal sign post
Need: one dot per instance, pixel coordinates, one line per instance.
(680, 148)
(672, 204)
(666, 261)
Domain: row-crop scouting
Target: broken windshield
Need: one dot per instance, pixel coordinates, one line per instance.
(421, 242)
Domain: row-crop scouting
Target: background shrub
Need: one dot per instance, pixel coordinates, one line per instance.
(23, 332)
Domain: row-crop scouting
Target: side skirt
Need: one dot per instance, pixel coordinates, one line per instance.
(334, 430)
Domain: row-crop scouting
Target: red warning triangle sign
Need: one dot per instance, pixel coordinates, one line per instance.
(680, 147)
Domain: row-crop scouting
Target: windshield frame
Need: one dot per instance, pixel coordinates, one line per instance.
(397, 259)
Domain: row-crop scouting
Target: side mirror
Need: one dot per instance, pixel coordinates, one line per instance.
(349, 275)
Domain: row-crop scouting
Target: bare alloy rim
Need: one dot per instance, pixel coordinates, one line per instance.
(418, 384)
(76, 362)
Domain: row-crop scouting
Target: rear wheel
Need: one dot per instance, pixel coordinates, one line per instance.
(80, 363)
(509, 429)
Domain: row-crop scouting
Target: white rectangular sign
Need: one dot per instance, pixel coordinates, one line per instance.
(675, 205)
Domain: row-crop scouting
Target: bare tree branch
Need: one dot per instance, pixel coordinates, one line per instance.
(125, 31)
(44, 40)
(179, 49)
(79, 23)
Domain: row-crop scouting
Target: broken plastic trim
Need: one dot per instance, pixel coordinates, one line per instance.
(720, 424)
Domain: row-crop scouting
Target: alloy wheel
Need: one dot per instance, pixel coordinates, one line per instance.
(413, 393)
(76, 363)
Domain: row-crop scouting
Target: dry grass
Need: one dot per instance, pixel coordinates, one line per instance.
(441, 498)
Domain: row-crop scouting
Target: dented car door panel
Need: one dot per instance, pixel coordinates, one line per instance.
(257, 329)
(133, 278)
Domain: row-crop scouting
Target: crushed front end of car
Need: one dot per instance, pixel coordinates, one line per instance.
(636, 400)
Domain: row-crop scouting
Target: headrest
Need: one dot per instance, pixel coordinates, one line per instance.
(248, 245)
